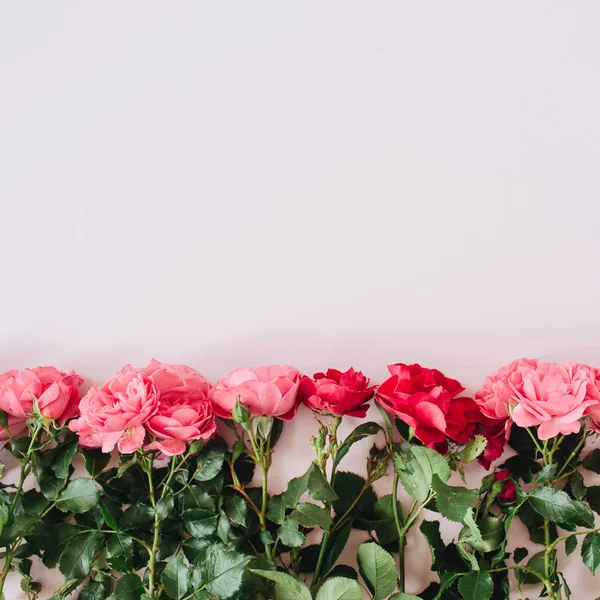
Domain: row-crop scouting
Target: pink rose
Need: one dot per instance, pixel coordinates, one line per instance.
(115, 413)
(56, 393)
(337, 393)
(184, 411)
(549, 395)
(269, 391)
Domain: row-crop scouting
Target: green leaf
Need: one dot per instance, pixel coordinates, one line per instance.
(547, 473)
(339, 588)
(196, 497)
(199, 522)
(219, 570)
(476, 585)
(93, 590)
(453, 502)
(164, 507)
(137, 515)
(77, 556)
(210, 463)
(337, 543)
(287, 587)
(362, 431)
(129, 587)
(276, 510)
(237, 510)
(592, 497)
(95, 461)
(290, 535)
(296, 489)
(592, 461)
(416, 467)
(474, 448)
(403, 596)
(318, 486)
(387, 423)
(577, 485)
(79, 496)
(519, 554)
(378, 569)
(311, 515)
(485, 536)
(119, 544)
(62, 459)
(349, 486)
(570, 545)
(554, 505)
(590, 551)
(176, 578)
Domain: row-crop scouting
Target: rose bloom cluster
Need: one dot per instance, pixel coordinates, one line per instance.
(164, 407)
(550, 396)
(56, 394)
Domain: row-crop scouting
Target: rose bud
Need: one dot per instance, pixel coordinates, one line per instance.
(508, 495)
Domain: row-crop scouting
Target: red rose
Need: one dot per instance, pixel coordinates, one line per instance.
(508, 495)
(337, 393)
(425, 399)
(496, 433)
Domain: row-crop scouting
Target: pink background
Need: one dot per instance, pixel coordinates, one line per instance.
(318, 183)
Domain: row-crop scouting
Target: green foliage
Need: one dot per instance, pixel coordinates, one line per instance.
(590, 551)
(476, 585)
(378, 569)
(339, 588)
(79, 496)
(176, 578)
(362, 431)
(416, 466)
(453, 502)
(287, 587)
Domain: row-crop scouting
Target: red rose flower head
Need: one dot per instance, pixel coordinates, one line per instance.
(337, 393)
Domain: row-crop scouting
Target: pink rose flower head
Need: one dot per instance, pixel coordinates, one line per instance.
(337, 393)
(115, 414)
(271, 391)
(184, 410)
(551, 396)
(170, 402)
(56, 392)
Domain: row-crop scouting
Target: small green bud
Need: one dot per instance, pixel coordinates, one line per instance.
(262, 426)
(241, 415)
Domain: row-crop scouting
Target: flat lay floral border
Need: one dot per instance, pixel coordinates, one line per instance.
(167, 509)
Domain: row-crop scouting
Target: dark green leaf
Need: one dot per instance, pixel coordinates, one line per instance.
(577, 485)
(237, 510)
(521, 467)
(220, 571)
(554, 505)
(362, 431)
(592, 497)
(349, 487)
(519, 554)
(318, 486)
(210, 463)
(476, 585)
(287, 587)
(119, 544)
(78, 553)
(378, 569)
(290, 534)
(93, 590)
(570, 545)
(590, 551)
(444, 558)
(164, 507)
(79, 496)
(339, 588)
(137, 515)
(592, 461)
(453, 502)
(129, 587)
(196, 497)
(547, 473)
(62, 459)
(311, 515)
(95, 461)
(337, 542)
(296, 488)
(199, 522)
(343, 571)
(276, 509)
(176, 578)
(416, 466)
